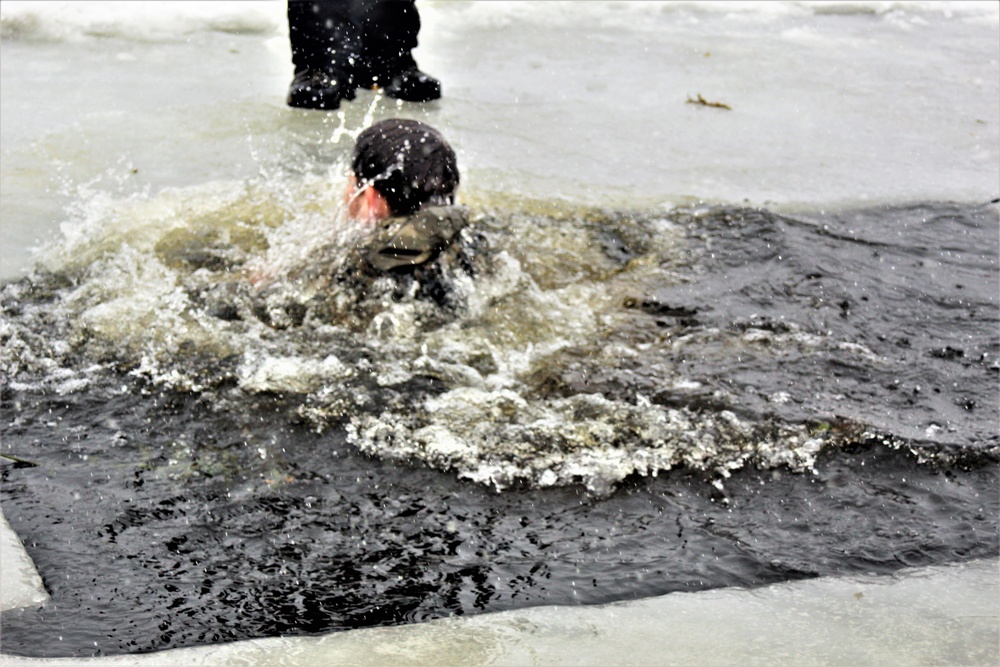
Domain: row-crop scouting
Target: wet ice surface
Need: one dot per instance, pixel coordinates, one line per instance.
(860, 103)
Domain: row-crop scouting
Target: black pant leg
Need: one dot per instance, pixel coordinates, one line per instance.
(389, 29)
(325, 36)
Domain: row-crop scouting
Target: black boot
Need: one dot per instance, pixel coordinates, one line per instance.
(326, 44)
(313, 89)
(390, 31)
(412, 85)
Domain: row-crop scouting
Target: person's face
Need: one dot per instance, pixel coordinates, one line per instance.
(364, 203)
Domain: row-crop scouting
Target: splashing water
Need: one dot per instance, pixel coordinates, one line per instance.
(550, 361)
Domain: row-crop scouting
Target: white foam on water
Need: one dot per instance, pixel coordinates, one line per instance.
(292, 375)
(500, 438)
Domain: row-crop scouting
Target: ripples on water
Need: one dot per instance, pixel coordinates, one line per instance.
(598, 405)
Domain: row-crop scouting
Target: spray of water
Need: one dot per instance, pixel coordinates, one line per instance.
(537, 366)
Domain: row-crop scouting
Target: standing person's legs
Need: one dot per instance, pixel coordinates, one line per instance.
(339, 45)
(326, 44)
(390, 29)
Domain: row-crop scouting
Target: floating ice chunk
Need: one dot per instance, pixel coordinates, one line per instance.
(22, 586)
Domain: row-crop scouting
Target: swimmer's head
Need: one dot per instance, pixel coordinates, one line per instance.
(407, 164)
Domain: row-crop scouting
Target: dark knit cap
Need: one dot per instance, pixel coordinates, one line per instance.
(408, 162)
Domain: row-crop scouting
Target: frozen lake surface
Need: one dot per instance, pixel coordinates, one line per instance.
(709, 350)
(925, 616)
(832, 104)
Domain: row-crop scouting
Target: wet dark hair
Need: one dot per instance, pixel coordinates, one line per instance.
(408, 162)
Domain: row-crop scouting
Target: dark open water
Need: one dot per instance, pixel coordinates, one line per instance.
(826, 389)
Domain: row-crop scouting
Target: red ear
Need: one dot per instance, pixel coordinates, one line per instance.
(366, 204)
(378, 207)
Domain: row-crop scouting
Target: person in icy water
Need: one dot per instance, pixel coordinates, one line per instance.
(339, 46)
(412, 241)
(402, 182)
